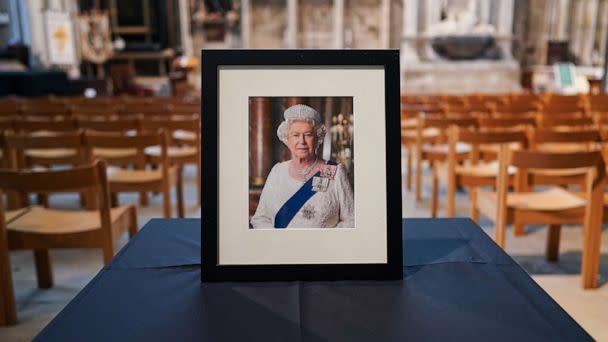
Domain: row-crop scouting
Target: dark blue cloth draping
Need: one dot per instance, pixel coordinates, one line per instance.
(458, 285)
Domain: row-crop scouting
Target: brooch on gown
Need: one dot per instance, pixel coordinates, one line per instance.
(308, 211)
(320, 184)
(326, 173)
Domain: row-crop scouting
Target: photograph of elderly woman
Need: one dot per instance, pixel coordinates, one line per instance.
(301, 162)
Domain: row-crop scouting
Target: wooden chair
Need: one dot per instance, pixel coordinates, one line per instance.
(90, 111)
(140, 179)
(474, 172)
(567, 123)
(437, 153)
(409, 133)
(180, 152)
(46, 155)
(40, 229)
(113, 156)
(145, 109)
(553, 206)
(47, 111)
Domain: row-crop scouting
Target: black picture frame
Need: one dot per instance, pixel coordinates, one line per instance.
(211, 61)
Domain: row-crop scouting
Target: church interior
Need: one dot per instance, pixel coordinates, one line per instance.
(120, 82)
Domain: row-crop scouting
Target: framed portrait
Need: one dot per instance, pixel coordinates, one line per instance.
(301, 155)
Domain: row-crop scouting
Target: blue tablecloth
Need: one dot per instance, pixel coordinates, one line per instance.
(458, 285)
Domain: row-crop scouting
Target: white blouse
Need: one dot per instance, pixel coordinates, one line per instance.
(331, 208)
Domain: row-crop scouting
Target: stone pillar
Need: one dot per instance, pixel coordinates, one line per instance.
(432, 14)
(576, 27)
(603, 24)
(260, 135)
(588, 31)
(184, 28)
(291, 38)
(246, 23)
(385, 24)
(338, 24)
(504, 26)
(409, 52)
(484, 11)
(561, 20)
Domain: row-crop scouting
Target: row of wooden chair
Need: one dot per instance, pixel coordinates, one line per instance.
(183, 148)
(527, 158)
(506, 103)
(121, 150)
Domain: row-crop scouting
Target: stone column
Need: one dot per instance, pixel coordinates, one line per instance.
(292, 24)
(588, 30)
(484, 11)
(576, 27)
(409, 51)
(184, 28)
(260, 134)
(246, 23)
(603, 24)
(504, 26)
(432, 14)
(561, 20)
(385, 24)
(338, 24)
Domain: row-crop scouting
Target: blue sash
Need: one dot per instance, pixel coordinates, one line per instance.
(293, 204)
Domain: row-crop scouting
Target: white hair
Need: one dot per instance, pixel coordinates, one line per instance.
(304, 113)
(318, 127)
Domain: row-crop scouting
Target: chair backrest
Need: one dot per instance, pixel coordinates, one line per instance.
(17, 143)
(78, 178)
(185, 123)
(31, 125)
(478, 137)
(94, 110)
(45, 110)
(139, 142)
(549, 121)
(120, 125)
(506, 123)
(572, 140)
(444, 122)
(146, 109)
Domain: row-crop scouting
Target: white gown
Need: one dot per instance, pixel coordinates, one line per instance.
(325, 209)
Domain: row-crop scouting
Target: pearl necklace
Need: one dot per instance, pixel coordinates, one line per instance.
(306, 171)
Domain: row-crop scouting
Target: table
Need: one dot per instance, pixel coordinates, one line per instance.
(458, 285)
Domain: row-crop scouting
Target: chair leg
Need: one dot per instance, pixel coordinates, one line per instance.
(451, 193)
(435, 190)
(166, 200)
(519, 229)
(501, 230)
(418, 178)
(132, 222)
(474, 205)
(199, 184)
(114, 199)
(143, 198)
(107, 250)
(553, 237)
(43, 200)
(8, 309)
(592, 237)
(179, 192)
(44, 272)
(408, 171)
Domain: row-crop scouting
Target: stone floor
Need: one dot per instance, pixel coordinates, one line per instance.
(73, 269)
